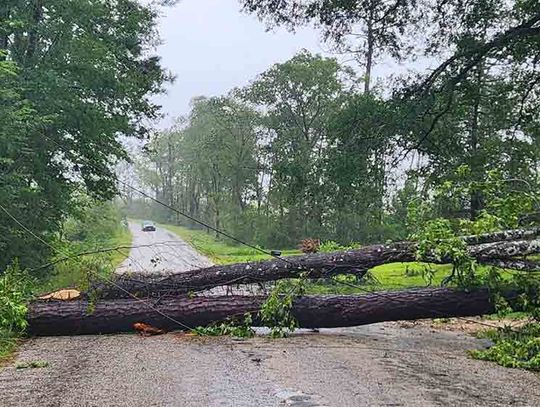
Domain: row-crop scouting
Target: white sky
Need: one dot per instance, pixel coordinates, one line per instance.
(212, 47)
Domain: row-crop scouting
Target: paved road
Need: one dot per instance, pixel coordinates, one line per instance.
(378, 365)
(160, 252)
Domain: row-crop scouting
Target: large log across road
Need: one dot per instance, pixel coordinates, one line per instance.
(77, 317)
(320, 265)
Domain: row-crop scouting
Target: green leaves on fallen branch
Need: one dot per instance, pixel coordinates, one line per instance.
(513, 348)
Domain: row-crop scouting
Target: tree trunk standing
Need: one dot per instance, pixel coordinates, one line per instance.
(170, 175)
(193, 196)
(216, 188)
(379, 155)
(369, 52)
(4, 39)
(475, 159)
(33, 36)
(270, 194)
(160, 184)
(80, 317)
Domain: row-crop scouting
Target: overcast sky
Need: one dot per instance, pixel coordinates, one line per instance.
(212, 47)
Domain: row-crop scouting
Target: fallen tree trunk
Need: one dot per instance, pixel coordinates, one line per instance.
(319, 265)
(504, 250)
(519, 265)
(503, 236)
(313, 266)
(79, 317)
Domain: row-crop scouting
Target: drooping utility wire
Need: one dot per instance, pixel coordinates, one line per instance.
(204, 224)
(57, 251)
(375, 293)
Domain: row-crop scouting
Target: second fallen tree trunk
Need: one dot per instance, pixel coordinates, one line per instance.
(320, 265)
(81, 317)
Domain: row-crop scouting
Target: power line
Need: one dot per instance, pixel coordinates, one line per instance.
(221, 232)
(204, 224)
(26, 229)
(375, 293)
(104, 277)
(106, 250)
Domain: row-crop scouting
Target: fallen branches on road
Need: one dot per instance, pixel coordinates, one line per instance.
(320, 265)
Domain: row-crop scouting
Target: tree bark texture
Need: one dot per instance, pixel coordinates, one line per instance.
(81, 317)
(313, 266)
(503, 236)
(319, 265)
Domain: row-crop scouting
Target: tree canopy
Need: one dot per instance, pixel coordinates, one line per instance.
(75, 76)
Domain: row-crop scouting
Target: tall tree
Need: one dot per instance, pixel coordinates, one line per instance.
(86, 73)
(366, 29)
(298, 98)
(362, 132)
(206, 165)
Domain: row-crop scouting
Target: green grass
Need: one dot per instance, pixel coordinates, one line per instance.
(8, 344)
(74, 273)
(392, 276)
(219, 251)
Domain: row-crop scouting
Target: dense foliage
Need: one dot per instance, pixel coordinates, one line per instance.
(74, 76)
(300, 152)
(306, 151)
(97, 225)
(513, 348)
(311, 148)
(15, 290)
(295, 154)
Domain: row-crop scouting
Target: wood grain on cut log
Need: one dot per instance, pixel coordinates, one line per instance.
(320, 265)
(70, 318)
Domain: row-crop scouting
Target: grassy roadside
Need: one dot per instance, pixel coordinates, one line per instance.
(8, 345)
(74, 273)
(219, 251)
(100, 225)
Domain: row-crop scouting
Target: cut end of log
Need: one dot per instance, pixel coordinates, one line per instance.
(61, 295)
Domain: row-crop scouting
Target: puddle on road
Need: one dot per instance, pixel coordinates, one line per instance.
(298, 399)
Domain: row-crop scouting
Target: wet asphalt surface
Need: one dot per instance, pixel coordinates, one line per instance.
(387, 364)
(160, 252)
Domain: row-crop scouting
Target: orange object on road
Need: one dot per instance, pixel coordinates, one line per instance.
(147, 330)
